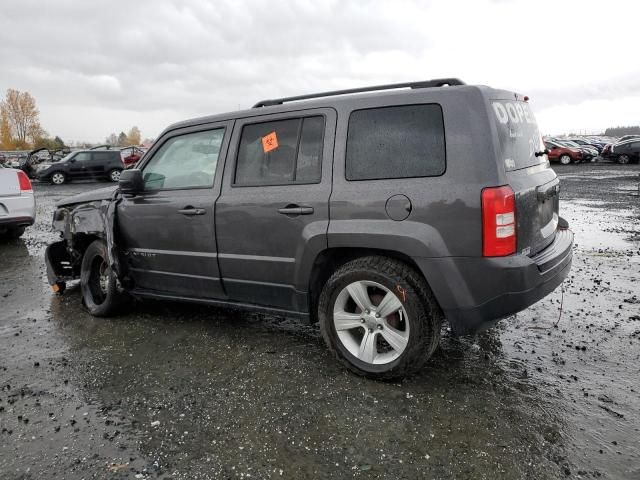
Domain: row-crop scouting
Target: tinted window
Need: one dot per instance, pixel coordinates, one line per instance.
(82, 156)
(395, 142)
(104, 156)
(185, 161)
(280, 152)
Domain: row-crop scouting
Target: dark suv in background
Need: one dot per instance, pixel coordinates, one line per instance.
(82, 164)
(378, 212)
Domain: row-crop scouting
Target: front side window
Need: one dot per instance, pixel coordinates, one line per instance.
(185, 161)
(395, 142)
(281, 152)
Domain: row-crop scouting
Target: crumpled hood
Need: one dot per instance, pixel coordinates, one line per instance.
(92, 196)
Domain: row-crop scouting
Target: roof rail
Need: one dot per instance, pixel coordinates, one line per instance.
(437, 82)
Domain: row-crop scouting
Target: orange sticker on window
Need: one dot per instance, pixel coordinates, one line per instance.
(269, 142)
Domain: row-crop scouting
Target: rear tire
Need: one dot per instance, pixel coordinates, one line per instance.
(101, 292)
(375, 344)
(58, 178)
(565, 159)
(623, 159)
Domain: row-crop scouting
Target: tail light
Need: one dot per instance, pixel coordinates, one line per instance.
(25, 183)
(498, 221)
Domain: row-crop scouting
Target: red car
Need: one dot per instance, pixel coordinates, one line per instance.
(562, 154)
(131, 155)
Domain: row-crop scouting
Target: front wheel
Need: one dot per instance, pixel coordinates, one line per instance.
(101, 292)
(114, 175)
(623, 159)
(58, 178)
(565, 159)
(379, 318)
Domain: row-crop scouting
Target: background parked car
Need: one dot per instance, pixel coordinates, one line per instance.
(625, 152)
(589, 153)
(131, 155)
(17, 203)
(561, 153)
(81, 165)
(586, 142)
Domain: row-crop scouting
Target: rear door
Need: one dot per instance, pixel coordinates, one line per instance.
(168, 230)
(534, 183)
(99, 160)
(274, 205)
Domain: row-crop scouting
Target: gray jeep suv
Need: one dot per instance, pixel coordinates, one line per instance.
(378, 212)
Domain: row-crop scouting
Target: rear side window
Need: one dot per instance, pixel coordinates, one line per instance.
(396, 142)
(82, 157)
(105, 156)
(281, 152)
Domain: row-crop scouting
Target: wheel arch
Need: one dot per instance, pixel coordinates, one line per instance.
(329, 260)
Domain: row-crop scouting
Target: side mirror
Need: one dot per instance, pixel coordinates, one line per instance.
(131, 181)
(555, 147)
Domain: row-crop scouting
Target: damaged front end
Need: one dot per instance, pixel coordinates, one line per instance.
(79, 225)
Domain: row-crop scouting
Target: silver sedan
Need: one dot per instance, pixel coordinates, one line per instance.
(17, 203)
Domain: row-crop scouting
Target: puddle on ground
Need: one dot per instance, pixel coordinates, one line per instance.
(600, 228)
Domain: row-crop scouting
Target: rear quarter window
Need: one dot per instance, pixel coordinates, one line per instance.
(395, 142)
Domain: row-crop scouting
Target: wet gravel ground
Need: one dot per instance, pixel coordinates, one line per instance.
(187, 392)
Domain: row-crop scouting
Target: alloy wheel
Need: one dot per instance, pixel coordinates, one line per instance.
(371, 322)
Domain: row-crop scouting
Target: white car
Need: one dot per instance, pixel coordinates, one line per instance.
(17, 203)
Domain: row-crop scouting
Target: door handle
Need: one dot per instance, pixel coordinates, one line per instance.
(190, 211)
(295, 210)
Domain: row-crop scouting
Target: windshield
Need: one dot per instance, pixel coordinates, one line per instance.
(518, 134)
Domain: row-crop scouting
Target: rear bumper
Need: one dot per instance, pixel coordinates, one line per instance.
(17, 211)
(475, 292)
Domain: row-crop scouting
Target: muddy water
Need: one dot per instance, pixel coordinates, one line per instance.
(175, 391)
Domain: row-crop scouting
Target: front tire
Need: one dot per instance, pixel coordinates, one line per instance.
(58, 178)
(379, 318)
(565, 159)
(623, 159)
(114, 175)
(100, 289)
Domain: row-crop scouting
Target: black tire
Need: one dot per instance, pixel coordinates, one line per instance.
(423, 312)
(15, 232)
(114, 175)
(565, 159)
(58, 178)
(623, 159)
(101, 293)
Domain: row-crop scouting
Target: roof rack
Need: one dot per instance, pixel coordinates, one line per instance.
(437, 82)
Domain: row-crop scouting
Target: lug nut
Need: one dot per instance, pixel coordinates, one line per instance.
(379, 327)
(362, 320)
(367, 312)
(377, 315)
(371, 330)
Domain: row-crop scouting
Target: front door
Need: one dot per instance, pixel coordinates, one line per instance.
(274, 207)
(168, 230)
(79, 164)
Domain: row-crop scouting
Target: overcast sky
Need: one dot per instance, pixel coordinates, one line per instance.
(97, 67)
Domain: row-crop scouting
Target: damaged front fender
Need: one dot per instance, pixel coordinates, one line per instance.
(79, 225)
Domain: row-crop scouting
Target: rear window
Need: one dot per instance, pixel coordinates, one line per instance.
(518, 134)
(395, 142)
